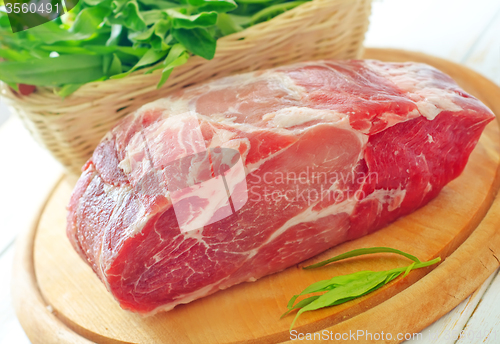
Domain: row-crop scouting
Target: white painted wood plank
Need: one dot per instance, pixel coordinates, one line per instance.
(447, 329)
(484, 325)
(10, 330)
(4, 112)
(460, 31)
(485, 58)
(27, 174)
(444, 28)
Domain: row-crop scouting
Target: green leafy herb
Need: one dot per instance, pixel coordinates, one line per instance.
(198, 40)
(53, 71)
(102, 39)
(341, 289)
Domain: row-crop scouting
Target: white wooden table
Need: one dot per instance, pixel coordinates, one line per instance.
(463, 31)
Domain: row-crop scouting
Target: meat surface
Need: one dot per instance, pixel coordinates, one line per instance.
(245, 176)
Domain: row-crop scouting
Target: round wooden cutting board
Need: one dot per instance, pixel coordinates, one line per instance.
(60, 300)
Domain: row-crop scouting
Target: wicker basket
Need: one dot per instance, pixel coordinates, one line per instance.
(71, 128)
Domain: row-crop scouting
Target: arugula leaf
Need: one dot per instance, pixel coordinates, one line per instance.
(51, 32)
(155, 35)
(14, 55)
(300, 304)
(53, 71)
(176, 51)
(116, 32)
(360, 252)
(112, 65)
(341, 289)
(221, 6)
(177, 57)
(198, 41)
(227, 25)
(128, 14)
(150, 57)
(89, 20)
(243, 21)
(68, 89)
(159, 4)
(4, 22)
(180, 20)
(272, 11)
(258, 1)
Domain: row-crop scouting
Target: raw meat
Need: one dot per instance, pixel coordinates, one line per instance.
(245, 176)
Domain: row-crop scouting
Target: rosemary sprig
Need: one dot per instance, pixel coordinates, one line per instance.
(341, 289)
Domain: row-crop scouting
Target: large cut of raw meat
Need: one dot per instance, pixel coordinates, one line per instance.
(245, 176)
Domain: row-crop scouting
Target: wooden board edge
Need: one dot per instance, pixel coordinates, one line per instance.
(38, 321)
(455, 270)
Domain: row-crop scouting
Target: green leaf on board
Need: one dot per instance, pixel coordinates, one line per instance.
(361, 252)
(343, 288)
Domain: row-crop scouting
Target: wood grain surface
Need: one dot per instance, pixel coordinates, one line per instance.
(50, 274)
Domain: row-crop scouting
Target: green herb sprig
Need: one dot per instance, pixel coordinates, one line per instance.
(341, 289)
(102, 39)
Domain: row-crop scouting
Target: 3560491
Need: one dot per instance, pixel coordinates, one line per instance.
(42, 8)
